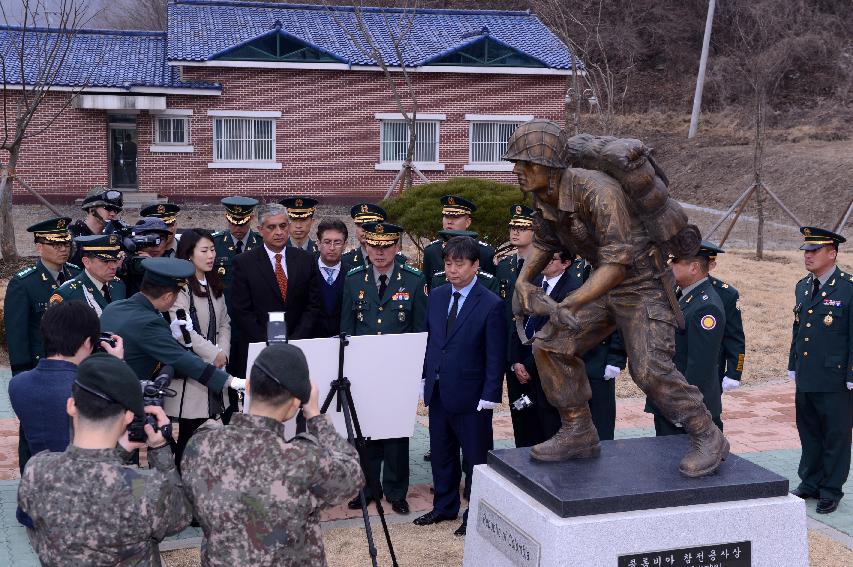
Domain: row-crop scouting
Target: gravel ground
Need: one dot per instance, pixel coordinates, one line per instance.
(436, 545)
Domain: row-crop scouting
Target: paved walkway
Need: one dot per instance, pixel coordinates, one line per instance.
(759, 424)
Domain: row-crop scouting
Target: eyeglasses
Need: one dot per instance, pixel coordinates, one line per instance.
(112, 209)
(332, 243)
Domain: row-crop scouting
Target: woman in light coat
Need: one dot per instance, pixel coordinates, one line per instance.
(202, 300)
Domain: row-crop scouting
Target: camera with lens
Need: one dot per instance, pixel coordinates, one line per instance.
(523, 402)
(154, 391)
(106, 337)
(132, 243)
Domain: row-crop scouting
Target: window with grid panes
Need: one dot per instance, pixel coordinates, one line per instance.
(243, 139)
(173, 130)
(395, 141)
(489, 140)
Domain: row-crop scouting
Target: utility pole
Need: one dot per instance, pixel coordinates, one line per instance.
(703, 63)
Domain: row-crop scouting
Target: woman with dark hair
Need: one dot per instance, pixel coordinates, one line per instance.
(204, 303)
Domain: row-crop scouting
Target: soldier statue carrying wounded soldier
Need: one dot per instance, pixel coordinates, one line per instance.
(606, 200)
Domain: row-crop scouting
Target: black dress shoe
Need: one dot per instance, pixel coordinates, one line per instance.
(431, 518)
(826, 506)
(400, 506)
(461, 530)
(428, 456)
(800, 493)
(355, 503)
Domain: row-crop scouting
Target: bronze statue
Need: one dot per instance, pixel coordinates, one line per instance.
(606, 200)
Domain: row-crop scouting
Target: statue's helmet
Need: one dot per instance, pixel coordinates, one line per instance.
(537, 141)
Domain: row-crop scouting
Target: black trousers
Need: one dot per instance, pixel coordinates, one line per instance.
(390, 459)
(823, 422)
(526, 428)
(186, 428)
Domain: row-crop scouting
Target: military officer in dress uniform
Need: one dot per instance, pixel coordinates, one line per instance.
(734, 340)
(698, 345)
(456, 215)
(821, 364)
(237, 238)
(362, 213)
(300, 212)
(97, 285)
(380, 299)
(168, 213)
(101, 206)
(29, 291)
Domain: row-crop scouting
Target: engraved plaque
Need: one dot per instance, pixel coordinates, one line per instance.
(737, 554)
(513, 542)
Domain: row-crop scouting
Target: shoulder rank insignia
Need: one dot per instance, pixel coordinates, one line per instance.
(708, 322)
(412, 269)
(26, 272)
(356, 270)
(482, 274)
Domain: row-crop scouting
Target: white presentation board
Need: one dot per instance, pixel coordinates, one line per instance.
(385, 373)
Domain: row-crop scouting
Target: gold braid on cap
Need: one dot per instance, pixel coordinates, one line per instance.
(53, 236)
(234, 219)
(455, 211)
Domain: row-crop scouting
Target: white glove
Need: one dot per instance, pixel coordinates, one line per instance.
(423, 387)
(487, 405)
(175, 327)
(237, 383)
(729, 384)
(850, 385)
(611, 372)
(792, 375)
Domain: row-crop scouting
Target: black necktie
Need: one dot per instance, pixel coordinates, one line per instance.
(60, 278)
(451, 317)
(520, 264)
(815, 287)
(678, 293)
(106, 290)
(239, 246)
(383, 285)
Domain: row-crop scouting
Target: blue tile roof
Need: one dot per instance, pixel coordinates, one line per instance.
(200, 30)
(95, 58)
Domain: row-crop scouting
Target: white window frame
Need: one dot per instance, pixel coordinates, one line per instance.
(271, 115)
(436, 165)
(497, 166)
(171, 147)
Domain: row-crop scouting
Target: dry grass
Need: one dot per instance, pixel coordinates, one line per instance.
(436, 545)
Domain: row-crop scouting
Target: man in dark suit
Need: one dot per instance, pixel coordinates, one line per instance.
(331, 239)
(274, 277)
(463, 374)
(603, 363)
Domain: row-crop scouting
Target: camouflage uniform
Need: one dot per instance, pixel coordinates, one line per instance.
(258, 497)
(87, 508)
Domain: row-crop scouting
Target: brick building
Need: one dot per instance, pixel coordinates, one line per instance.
(273, 99)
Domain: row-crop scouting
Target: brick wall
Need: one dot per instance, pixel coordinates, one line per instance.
(327, 139)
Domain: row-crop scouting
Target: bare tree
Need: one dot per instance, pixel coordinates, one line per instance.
(396, 27)
(136, 14)
(30, 62)
(603, 35)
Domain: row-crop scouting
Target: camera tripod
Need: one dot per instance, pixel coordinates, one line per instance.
(340, 388)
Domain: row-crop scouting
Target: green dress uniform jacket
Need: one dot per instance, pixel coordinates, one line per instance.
(697, 351)
(310, 246)
(485, 279)
(402, 309)
(822, 357)
(27, 298)
(357, 259)
(734, 340)
(148, 343)
(226, 250)
(434, 261)
(82, 288)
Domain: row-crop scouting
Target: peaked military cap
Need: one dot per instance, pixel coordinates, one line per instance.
(103, 246)
(300, 207)
(814, 238)
(168, 212)
(111, 379)
(448, 234)
(709, 250)
(102, 197)
(238, 210)
(52, 230)
(285, 364)
(454, 206)
(382, 234)
(150, 224)
(367, 212)
(521, 216)
(168, 271)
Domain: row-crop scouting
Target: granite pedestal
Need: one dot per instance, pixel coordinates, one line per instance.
(631, 504)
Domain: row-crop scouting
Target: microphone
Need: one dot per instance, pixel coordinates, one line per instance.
(181, 314)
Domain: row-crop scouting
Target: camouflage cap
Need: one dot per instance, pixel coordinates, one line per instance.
(99, 196)
(110, 378)
(285, 364)
(537, 141)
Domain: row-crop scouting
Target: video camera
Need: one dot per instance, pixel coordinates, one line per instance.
(131, 243)
(153, 393)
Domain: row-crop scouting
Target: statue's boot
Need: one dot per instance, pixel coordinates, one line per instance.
(576, 439)
(708, 447)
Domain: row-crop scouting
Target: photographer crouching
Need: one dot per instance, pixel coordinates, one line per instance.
(149, 341)
(83, 506)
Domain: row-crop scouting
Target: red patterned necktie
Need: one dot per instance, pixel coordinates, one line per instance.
(280, 277)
